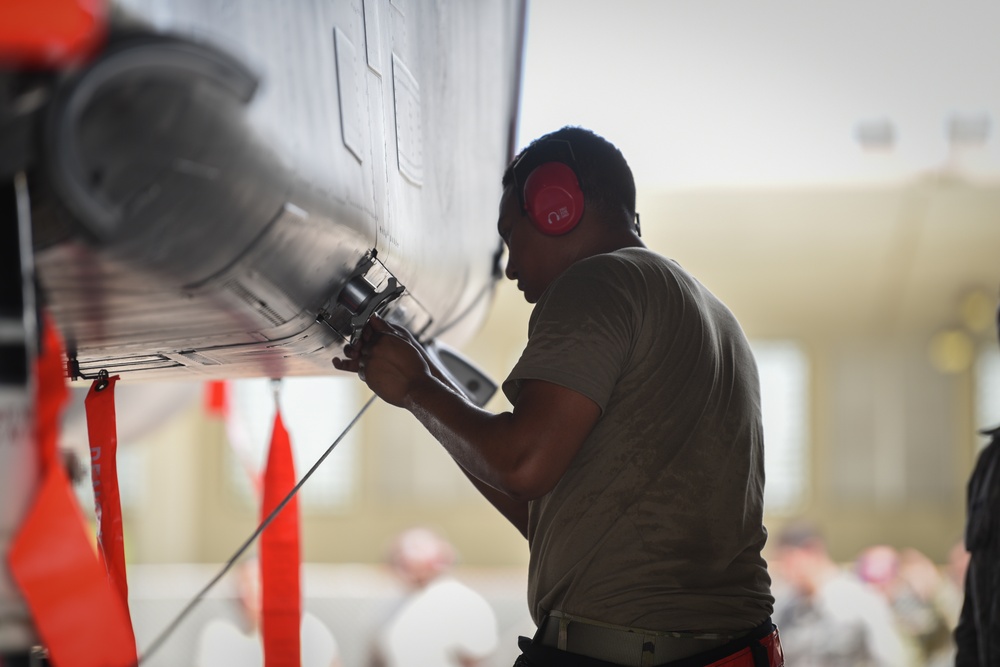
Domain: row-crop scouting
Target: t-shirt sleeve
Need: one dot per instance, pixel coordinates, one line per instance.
(580, 332)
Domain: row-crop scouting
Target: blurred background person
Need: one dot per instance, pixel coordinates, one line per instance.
(827, 615)
(225, 642)
(917, 593)
(978, 632)
(440, 621)
(954, 577)
(948, 600)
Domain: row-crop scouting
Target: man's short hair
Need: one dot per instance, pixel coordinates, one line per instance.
(605, 177)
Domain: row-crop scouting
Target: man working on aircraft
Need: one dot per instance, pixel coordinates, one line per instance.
(633, 457)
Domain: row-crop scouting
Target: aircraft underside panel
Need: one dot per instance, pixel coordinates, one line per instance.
(205, 189)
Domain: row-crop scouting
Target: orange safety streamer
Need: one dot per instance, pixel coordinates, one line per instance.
(46, 33)
(103, 431)
(79, 617)
(281, 602)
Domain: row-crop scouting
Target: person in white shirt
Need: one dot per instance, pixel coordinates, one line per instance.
(441, 621)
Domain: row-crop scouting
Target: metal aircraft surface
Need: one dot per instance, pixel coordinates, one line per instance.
(219, 189)
(224, 187)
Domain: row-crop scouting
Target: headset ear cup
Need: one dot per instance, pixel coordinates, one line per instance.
(553, 198)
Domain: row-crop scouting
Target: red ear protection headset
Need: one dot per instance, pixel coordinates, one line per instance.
(548, 187)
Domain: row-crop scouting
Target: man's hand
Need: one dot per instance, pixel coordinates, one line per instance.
(386, 358)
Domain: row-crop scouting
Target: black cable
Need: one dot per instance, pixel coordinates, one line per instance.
(163, 636)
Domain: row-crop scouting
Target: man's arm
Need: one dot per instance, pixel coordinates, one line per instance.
(514, 511)
(520, 454)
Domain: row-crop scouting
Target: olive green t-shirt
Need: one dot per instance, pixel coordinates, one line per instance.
(657, 523)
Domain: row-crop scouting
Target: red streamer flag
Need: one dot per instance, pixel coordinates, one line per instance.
(46, 33)
(280, 557)
(217, 398)
(103, 431)
(78, 615)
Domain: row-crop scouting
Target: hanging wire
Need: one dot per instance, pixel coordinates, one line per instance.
(169, 630)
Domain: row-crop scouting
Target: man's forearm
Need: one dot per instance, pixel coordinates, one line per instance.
(482, 443)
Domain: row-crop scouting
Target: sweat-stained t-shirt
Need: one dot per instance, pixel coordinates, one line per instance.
(658, 522)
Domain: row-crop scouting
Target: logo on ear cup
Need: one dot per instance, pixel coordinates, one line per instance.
(553, 199)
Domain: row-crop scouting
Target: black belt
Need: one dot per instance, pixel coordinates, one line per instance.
(625, 646)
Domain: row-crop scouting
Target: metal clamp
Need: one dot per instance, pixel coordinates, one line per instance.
(360, 298)
(103, 377)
